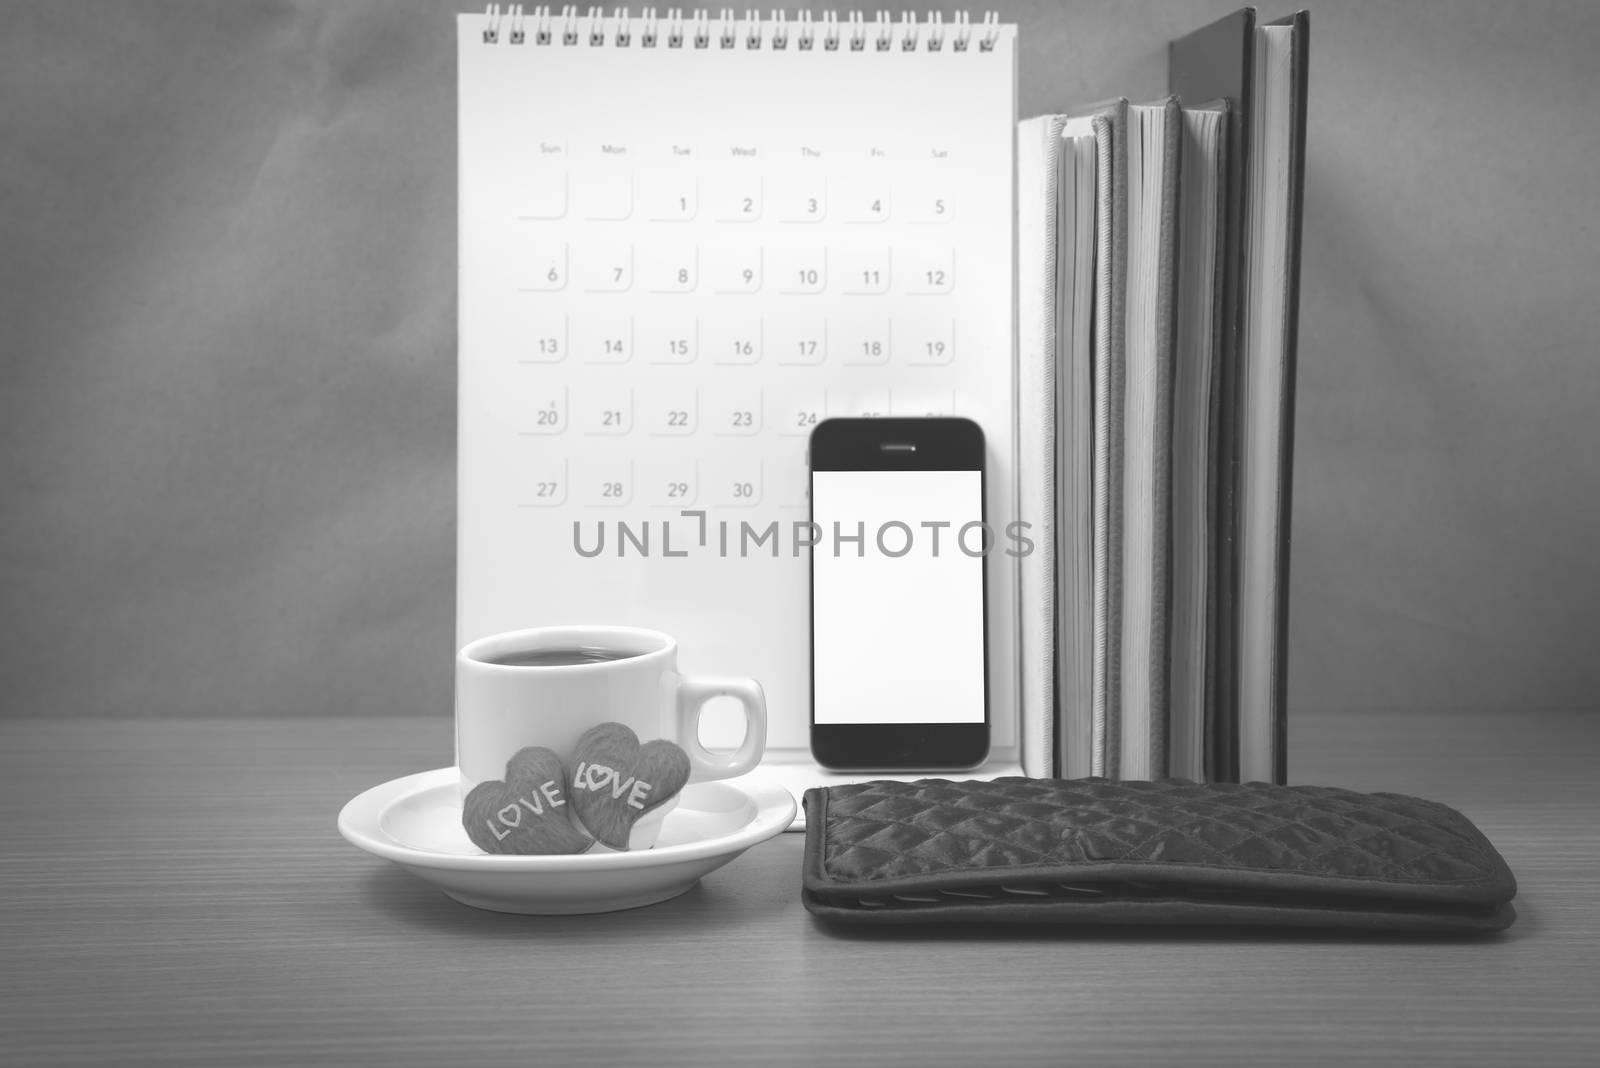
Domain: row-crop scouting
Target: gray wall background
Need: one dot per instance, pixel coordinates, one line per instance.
(227, 329)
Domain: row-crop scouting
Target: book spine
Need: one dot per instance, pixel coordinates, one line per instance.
(1300, 58)
(1111, 254)
(1039, 148)
(1161, 557)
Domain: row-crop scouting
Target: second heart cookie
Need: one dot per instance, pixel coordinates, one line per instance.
(613, 781)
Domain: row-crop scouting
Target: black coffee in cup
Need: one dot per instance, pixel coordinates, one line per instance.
(506, 700)
(557, 657)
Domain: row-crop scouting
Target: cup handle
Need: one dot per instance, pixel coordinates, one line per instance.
(693, 693)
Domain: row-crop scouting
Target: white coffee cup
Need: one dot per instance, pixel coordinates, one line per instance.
(501, 707)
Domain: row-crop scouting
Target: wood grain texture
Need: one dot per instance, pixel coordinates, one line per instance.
(176, 893)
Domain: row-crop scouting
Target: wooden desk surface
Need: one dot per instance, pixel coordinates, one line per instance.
(175, 892)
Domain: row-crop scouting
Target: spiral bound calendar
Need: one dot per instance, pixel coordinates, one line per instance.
(685, 240)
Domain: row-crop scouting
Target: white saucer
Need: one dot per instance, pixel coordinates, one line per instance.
(415, 821)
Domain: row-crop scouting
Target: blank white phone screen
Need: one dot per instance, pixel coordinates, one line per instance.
(897, 597)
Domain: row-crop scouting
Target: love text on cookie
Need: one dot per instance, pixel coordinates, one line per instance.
(597, 778)
(546, 796)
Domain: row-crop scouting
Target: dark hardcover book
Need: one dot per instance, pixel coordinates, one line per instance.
(1265, 470)
(1261, 68)
(1300, 27)
(1218, 62)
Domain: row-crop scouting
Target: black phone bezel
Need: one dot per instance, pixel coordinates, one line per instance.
(941, 443)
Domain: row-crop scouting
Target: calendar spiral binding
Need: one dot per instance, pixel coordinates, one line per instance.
(726, 29)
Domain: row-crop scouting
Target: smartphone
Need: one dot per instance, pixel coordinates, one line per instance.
(899, 606)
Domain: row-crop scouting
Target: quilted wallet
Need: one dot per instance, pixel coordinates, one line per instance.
(1093, 851)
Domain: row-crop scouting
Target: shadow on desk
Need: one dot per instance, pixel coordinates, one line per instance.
(408, 899)
(1194, 935)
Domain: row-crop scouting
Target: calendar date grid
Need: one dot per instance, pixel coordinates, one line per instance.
(665, 311)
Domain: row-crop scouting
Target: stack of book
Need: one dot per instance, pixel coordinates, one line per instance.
(1158, 284)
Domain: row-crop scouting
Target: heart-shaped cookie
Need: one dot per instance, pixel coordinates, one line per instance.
(528, 812)
(613, 780)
